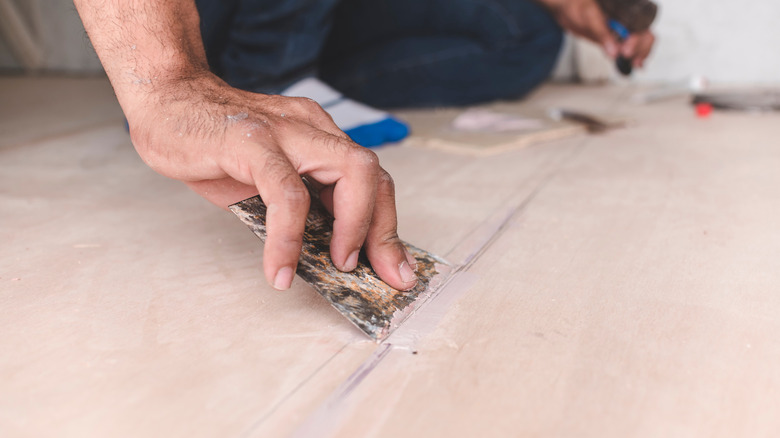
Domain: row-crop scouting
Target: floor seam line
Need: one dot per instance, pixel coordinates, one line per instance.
(357, 377)
(297, 388)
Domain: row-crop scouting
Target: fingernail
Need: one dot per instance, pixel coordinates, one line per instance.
(407, 275)
(283, 278)
(409, 258)
(352, 260)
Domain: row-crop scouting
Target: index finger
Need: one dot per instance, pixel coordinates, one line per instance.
(363, 204)
(287, 201)
(643, 47)
(385, 250)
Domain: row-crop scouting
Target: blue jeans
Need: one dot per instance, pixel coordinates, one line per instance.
(386, 53)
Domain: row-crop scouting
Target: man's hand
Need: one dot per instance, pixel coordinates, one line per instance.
(585, 18)
(637, 47)
(228, 144)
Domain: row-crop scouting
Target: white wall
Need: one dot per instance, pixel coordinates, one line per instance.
(62, 36)
(726, 41)
(65, 40)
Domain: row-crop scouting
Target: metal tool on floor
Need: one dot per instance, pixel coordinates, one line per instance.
(368, 302)
(593, 123)
(757, 101)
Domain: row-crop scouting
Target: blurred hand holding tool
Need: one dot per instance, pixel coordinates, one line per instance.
(627, 17)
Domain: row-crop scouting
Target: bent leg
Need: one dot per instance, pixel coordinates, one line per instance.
(264, 45)
(414, 53)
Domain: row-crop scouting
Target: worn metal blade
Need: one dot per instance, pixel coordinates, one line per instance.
(373, 306)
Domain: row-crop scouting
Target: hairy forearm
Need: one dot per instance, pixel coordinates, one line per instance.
(144, 45)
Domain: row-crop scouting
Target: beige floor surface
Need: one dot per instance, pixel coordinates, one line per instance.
(619, 285)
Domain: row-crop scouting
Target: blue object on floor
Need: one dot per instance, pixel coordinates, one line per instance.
(388, 130)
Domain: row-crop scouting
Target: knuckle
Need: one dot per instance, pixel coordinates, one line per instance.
(386, 181)
(282, 125)
(283, 246)
(275, 166)
(388, 238)
(326, 140)
(312, 105)
(363, 159)
(306, 105)
(293, 190)
(290, 242)
(288, 184)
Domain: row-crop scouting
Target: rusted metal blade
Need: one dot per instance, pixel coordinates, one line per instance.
(373, 306)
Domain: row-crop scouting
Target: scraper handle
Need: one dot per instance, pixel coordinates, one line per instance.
(623, 64)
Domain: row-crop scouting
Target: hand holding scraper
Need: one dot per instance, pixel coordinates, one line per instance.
(360, 295)
(628, 17)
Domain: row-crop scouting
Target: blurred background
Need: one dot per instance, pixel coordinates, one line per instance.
(728, 42)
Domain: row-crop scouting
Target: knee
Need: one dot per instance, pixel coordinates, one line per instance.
(530, 56)
(524, 70)
(534, 27)
(549, 37)
(548, 42)
(529, 34)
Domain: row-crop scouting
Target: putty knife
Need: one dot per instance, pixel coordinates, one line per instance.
(373, 306)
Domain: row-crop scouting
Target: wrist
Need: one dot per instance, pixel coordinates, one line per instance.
(160, 86)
